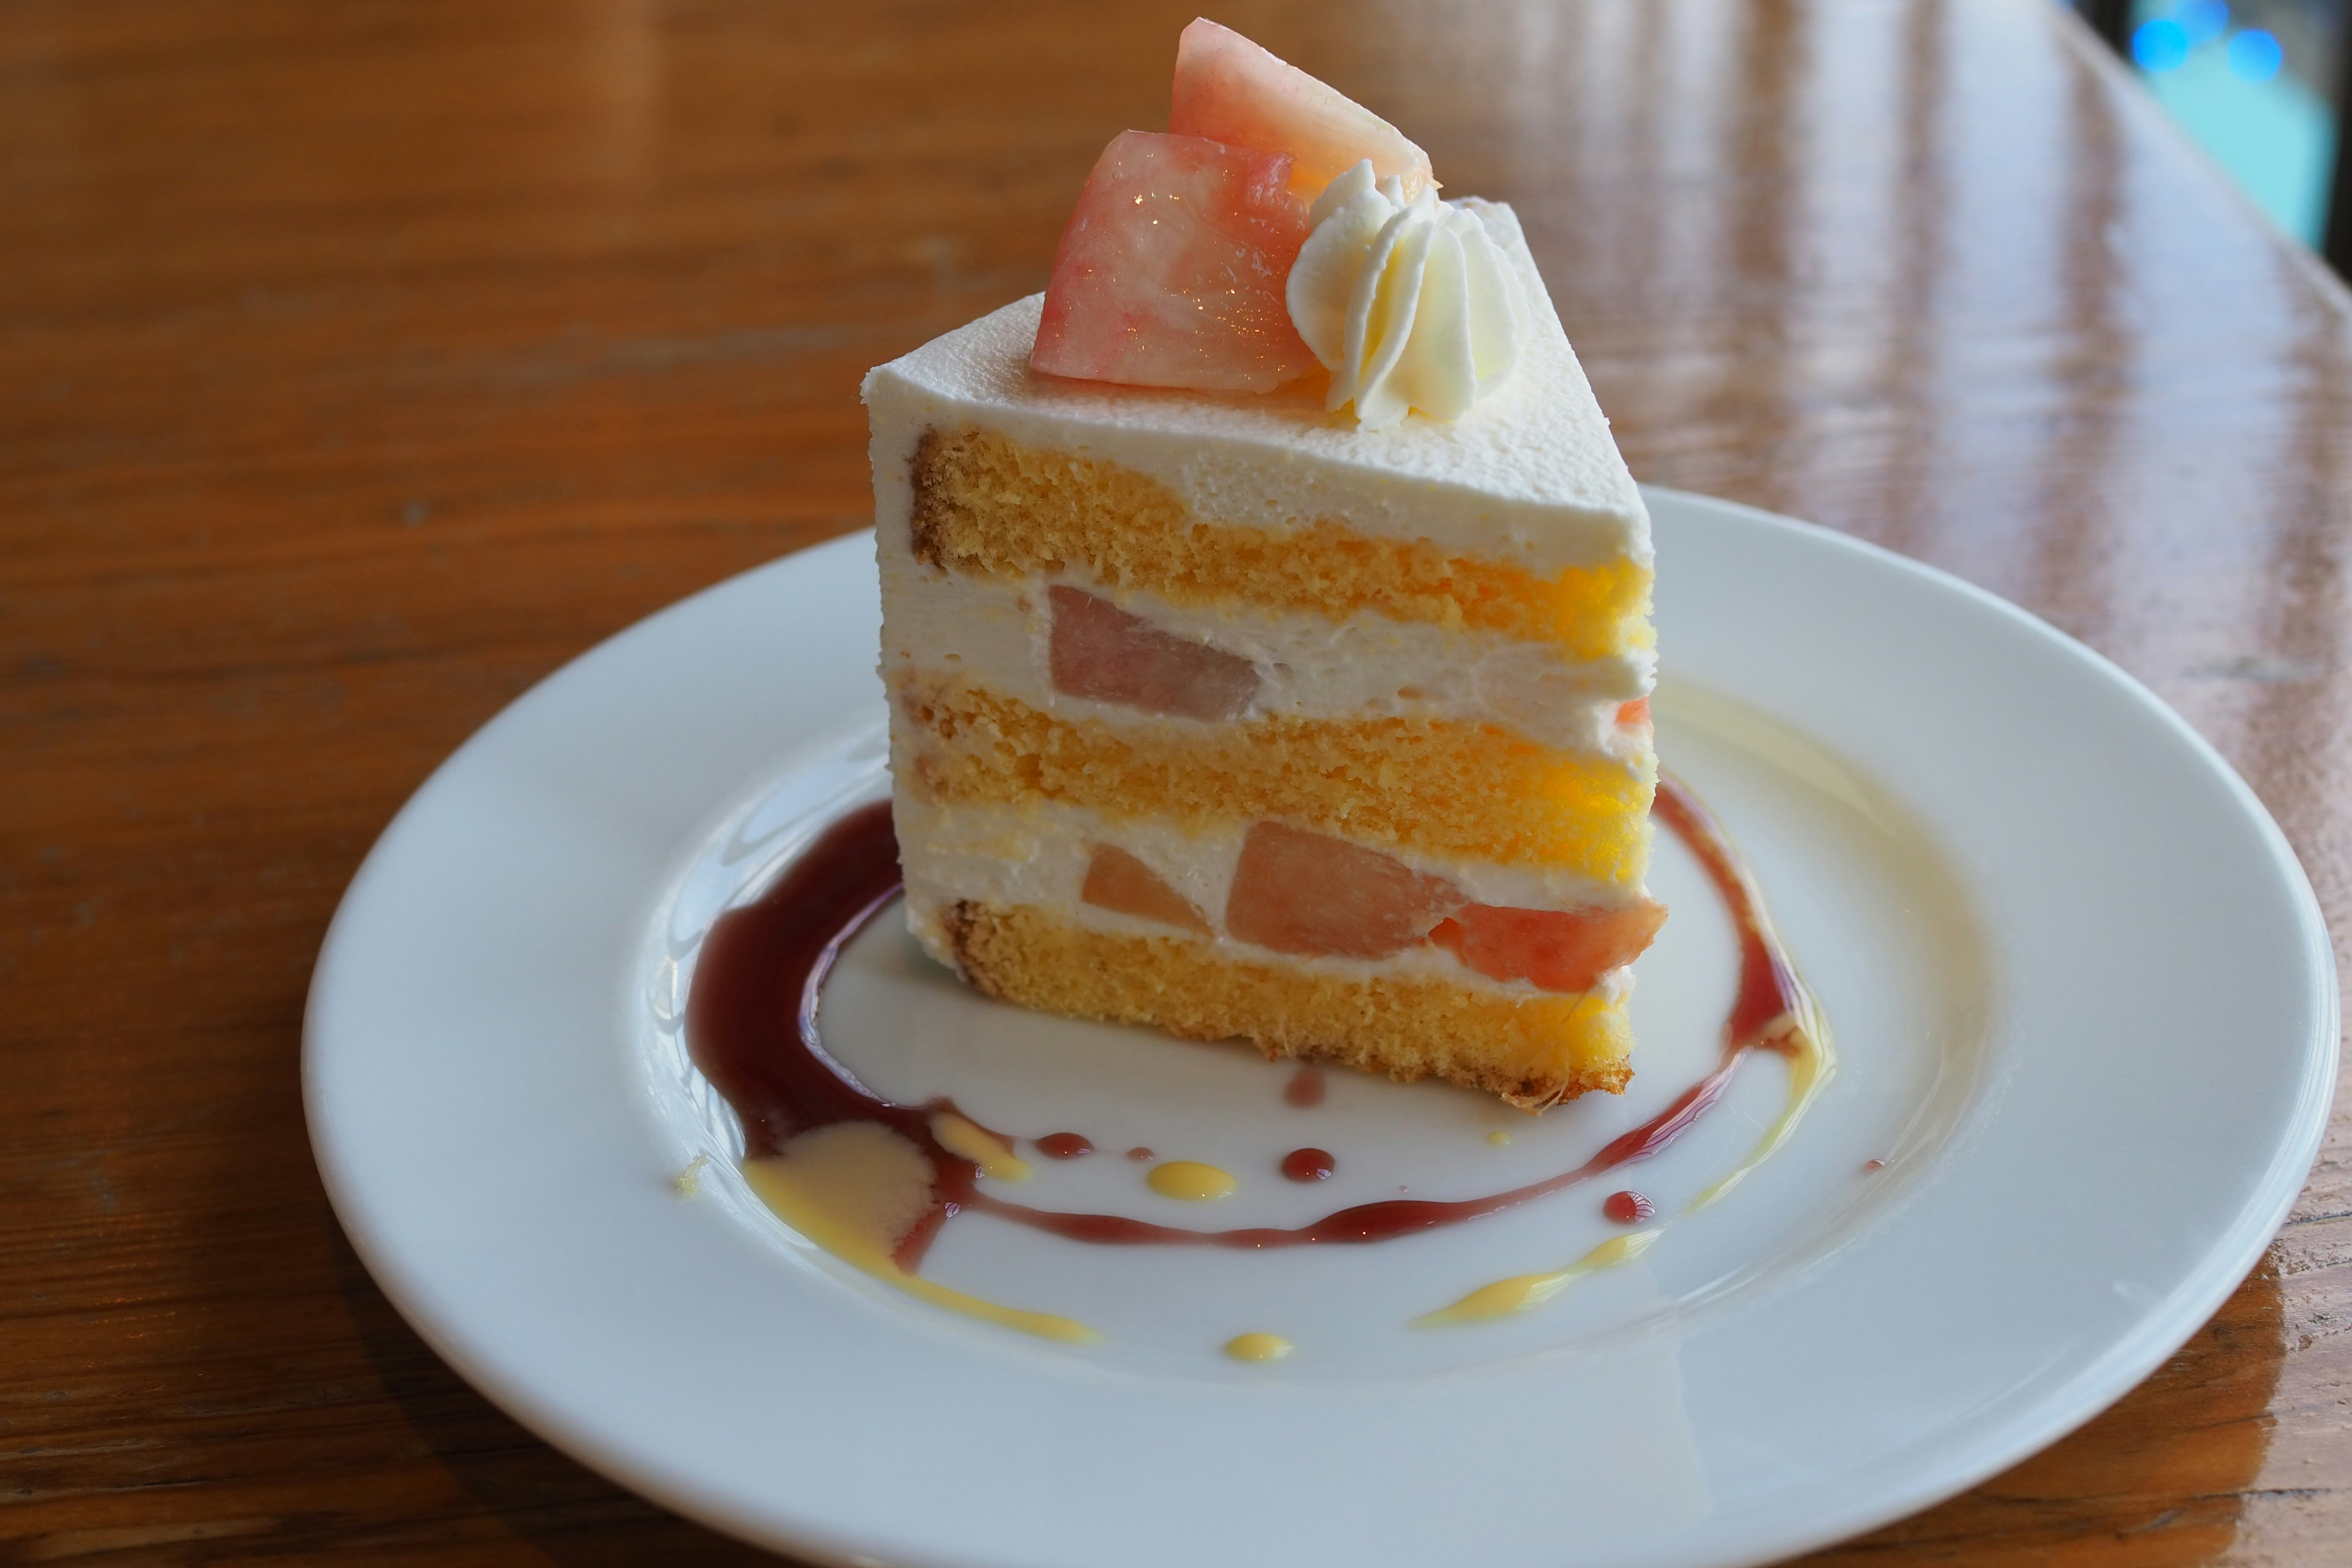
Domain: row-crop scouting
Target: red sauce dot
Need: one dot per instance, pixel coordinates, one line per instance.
(1139, 1153)
(1063, 1145)
(1869, 1165)
(1305, 1087)
(1628, 1207)
(1308, 1164)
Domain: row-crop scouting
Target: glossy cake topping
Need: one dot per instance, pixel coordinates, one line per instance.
(1231, 91)
(1172, 270)
(1188, 261)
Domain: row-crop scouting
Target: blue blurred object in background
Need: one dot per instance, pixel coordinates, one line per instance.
(2159, 44)
(2201, 20)
(2254, 54)
(2257, 84)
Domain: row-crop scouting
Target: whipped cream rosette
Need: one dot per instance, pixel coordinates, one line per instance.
(1408, 304)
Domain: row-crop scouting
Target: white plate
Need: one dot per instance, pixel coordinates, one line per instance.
(2083, 996)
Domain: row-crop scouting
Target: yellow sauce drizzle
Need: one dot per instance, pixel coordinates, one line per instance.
(855, 1189)
(978, 1144)
(1505, 1297)
(1812, 1060)
(1191, 1180)
(1498, 1138)
(1258, 1347)
(688, 1182)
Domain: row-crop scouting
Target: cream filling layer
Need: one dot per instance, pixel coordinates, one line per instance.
(1037, 853)
(1366, 666)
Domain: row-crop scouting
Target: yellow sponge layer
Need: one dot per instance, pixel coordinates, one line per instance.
(1447, 788)
(988, 505)
(1533, 1052)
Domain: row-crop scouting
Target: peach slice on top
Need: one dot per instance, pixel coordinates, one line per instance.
(1173, 267)
(1231, 91)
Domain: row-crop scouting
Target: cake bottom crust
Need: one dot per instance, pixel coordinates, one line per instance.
(1533, 1051)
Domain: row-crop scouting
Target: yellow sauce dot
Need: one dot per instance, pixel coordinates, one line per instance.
(1190, 1179)
(1258, 1347)
(1498, 1138)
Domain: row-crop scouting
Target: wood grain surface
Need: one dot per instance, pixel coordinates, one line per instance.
(361, 363)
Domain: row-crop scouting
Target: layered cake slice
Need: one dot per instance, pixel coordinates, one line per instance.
(1292, 685)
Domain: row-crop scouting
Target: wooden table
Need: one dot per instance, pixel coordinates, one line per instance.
(360, 363)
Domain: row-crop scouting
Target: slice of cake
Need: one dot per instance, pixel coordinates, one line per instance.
(1300, 695)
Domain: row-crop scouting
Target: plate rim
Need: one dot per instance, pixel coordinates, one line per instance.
(2121, 1364)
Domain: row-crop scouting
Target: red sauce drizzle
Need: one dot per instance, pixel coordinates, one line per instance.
(751, 1028)
(1628, 1207)
(1309, 1164)
(1768, 984)
(1304, 1088)
(1063, 1145)
(1140, 1153)
(751, 1017)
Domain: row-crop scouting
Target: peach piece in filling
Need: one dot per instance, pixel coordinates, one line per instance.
(1312, 895)
(1117, 880)
(1100, 651)
(1551, 948)
(1308, 893)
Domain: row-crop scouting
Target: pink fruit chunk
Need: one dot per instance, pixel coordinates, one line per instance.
(1117, 881)
(1231, 91)
(1306, 893)
(1100, 651)
(1172, 270)
(1554, 949)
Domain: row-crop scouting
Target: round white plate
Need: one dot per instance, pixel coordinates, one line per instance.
(2083, 999)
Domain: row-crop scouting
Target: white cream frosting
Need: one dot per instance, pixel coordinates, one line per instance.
(1308, 667)
(1528, 478)
(1408, 304)
(1037, 853)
